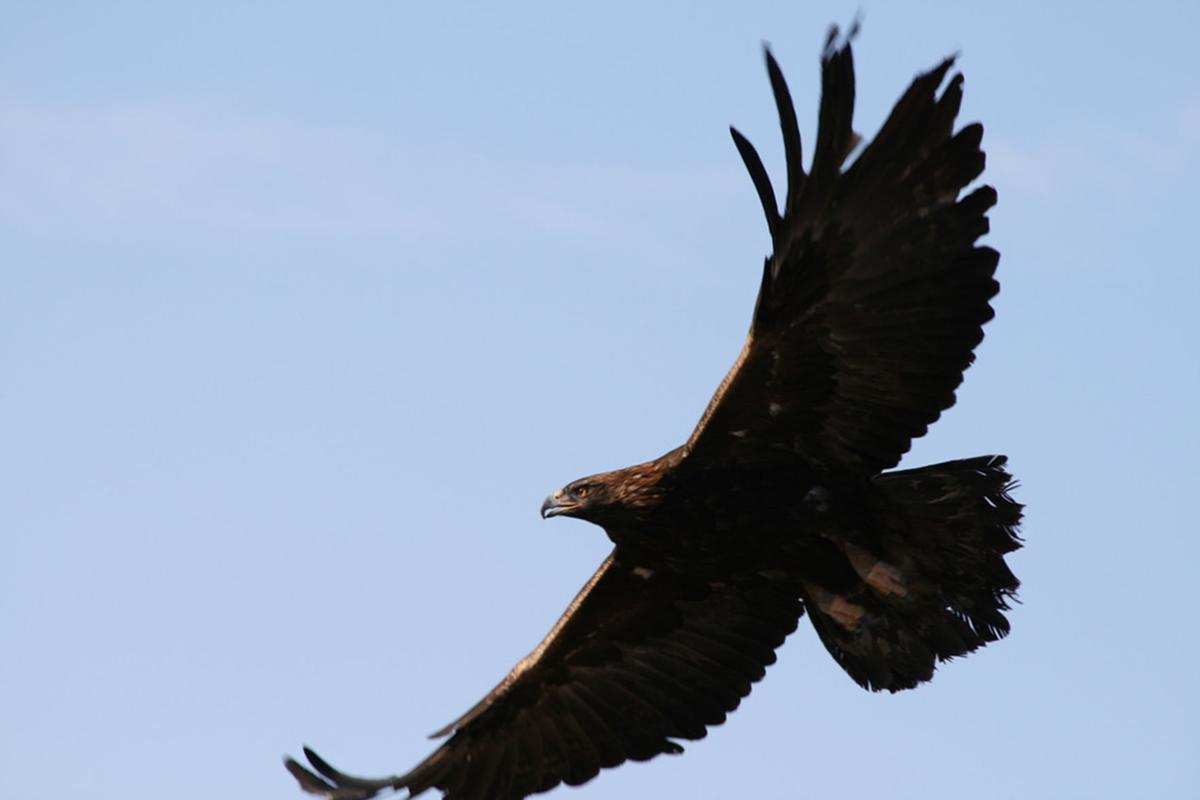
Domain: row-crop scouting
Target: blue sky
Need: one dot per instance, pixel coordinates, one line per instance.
(305, 307)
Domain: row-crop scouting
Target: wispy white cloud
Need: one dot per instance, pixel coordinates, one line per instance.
(1042, 168)
(144, 166)
(1100, 154)
(160, 164)
(1189, 119)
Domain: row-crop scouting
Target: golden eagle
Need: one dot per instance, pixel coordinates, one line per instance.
(779, 502)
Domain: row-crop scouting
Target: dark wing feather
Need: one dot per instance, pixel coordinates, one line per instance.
(874, 299)
(640, 658)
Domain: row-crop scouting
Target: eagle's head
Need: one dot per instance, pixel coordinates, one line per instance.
(585, 499)
(606, 498)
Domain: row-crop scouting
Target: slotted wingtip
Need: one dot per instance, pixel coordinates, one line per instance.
(762, 182)
(835, 42)
(939, 72)
(778, 84)
(769, 57)
(307, 780)
(332, 783)
(320, 764)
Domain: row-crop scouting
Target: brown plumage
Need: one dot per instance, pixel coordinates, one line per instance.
(868, 314)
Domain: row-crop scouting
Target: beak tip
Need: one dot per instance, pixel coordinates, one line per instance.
(552, 506)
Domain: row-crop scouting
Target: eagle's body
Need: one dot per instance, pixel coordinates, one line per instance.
(782, 501)
(703, 522)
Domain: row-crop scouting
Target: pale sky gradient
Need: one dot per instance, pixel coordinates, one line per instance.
(304, 307)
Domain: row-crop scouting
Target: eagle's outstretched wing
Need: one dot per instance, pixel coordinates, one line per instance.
(639, 659)
(874, 298)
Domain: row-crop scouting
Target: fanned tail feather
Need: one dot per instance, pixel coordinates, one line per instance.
(930, 580)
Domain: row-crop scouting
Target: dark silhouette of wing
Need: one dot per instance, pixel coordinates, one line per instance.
(639, 659)
(874, 298)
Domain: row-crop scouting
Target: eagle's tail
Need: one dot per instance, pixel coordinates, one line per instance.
(929, 582)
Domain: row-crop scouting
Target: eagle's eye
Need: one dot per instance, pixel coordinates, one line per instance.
(580, 492)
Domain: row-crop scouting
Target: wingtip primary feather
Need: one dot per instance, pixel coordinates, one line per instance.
(835, 42)
(762, 181)
(332, 783)
(307, 780)
(790, 127)
(835, 134)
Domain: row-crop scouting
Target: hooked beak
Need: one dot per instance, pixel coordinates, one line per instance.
(556, 504)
